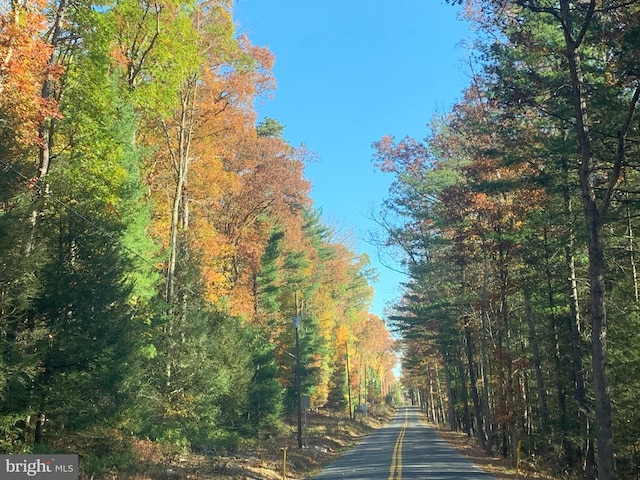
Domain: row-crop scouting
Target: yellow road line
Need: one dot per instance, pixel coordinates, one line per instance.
(395, 471)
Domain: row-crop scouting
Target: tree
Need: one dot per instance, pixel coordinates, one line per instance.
(602, 153)
(168, 235)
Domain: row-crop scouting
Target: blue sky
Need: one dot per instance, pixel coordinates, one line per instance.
(349, 72)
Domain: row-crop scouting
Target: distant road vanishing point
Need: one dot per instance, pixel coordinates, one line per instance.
(405, 449)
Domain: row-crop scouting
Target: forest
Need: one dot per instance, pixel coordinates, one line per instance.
(158, 240)
(517, 219)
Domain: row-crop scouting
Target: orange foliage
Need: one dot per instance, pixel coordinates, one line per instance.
(270, 185)
(238, 184)
(24, 66)
(493, 211)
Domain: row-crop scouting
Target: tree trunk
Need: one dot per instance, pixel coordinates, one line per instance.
(180, 156)
(599, 348)
(47, 125)
(505, 356)
(575, 327)
(537, 363)
(473, 381)
(471, 364)
(45, 128)
(39, 430)
(441, 411)
(488, 420)
(632, 254)
(451, 412)
(432, 399)
(594, 217)
(467, 422)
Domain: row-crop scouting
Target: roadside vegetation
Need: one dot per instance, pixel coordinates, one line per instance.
(328, 435)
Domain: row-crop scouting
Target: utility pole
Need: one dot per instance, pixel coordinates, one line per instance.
(346, 348)
(296, 326)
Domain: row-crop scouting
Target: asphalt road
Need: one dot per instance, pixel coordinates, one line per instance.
(405, 449)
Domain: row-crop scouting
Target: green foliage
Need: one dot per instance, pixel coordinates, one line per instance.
(105, 452)
(268, 278)
(265, 396)
(338, 393)
(270, 127)
(90, 347)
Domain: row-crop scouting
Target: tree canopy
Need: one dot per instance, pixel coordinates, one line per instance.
(155, 234)
(516, 216)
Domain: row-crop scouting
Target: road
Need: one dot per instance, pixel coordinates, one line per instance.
(406, 449)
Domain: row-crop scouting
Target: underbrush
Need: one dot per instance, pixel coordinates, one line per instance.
(325, 435)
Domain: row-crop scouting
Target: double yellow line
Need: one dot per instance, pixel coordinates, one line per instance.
(395, 471)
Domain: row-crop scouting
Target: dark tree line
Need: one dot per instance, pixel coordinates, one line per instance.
(517, 220)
